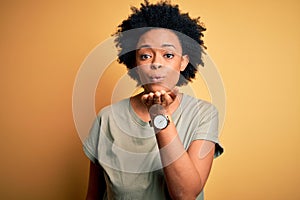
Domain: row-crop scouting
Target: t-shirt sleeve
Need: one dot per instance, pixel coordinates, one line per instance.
(90, 145)
(208, 128)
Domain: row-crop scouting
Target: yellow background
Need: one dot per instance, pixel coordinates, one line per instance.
(254, 43)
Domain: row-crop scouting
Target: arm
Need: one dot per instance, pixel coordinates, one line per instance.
(96, 185)
(186, 171)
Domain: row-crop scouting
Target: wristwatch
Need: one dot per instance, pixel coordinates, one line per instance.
(161, 121)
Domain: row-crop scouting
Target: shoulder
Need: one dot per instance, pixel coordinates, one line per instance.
(197, 105)
(115, 108)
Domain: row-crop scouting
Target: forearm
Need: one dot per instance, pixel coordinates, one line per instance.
(181, 175)
(97, 185)
(185, 173)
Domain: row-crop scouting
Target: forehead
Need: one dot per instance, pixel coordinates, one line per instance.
(158, 38)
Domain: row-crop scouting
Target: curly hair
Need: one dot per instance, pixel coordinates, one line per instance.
(161, 15)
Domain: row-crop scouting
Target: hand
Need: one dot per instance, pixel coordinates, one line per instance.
(163, 98)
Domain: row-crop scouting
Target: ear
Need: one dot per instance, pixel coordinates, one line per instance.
(184, 62)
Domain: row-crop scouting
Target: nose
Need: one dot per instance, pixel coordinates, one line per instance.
(156, 63)
(155, 66)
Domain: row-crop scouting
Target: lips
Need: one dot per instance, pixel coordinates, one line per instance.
(156, 79)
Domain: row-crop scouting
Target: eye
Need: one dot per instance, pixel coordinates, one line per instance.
(145, 56)
(169, 55)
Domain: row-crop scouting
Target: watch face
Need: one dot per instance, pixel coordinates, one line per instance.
(160, 122)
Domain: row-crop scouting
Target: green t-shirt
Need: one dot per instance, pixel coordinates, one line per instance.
(126, 148)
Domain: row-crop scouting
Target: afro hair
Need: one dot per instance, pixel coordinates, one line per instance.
(161, 15)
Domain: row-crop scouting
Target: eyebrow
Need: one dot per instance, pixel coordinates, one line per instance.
(163, 45)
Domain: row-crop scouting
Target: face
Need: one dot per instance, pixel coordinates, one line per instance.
(159, 60)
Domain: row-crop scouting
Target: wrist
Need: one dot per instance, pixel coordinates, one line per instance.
(160, 118)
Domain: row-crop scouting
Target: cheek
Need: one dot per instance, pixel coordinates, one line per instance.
(173, 76)
(142, 73)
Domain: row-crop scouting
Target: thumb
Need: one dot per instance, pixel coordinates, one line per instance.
(174, 92)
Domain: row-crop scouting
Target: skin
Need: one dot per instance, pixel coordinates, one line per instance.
(159, 61)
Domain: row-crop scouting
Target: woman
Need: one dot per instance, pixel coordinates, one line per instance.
(160, 143)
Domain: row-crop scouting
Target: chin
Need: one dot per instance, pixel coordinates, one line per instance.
(157, 87)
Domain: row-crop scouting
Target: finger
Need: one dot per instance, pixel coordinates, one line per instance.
(145, 99)
(163, 98)
(157, 98)
(173, 93)
(175, 90)
(150, 98)
(166, 99)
